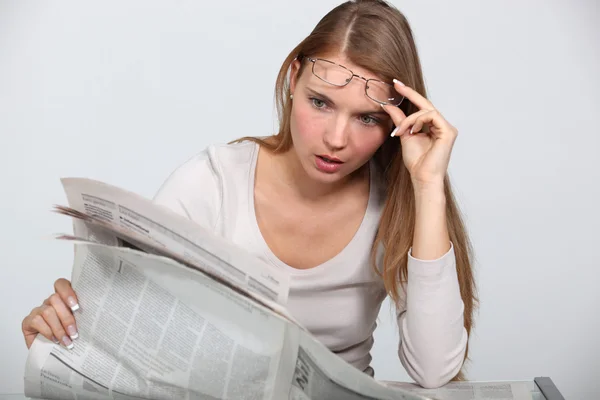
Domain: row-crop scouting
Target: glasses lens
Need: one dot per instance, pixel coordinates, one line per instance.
(383, 93)
(332, 73)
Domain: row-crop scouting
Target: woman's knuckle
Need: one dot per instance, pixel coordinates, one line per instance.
(55, 298)
(48, 312)
(37, 320)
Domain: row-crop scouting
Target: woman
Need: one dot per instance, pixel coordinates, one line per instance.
(352, 212)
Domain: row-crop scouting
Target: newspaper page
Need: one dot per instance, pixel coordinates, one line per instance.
(163, 228)
(105, 233)
(321, 374)
(473, 390)
(152, 328)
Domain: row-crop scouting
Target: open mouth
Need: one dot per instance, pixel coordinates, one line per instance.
(331, 160)
(328, 164)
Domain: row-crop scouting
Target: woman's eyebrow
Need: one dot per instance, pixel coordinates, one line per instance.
(321, 95)
(377, 111)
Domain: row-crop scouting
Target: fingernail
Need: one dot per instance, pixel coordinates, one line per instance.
(55, 340)
(67, 342)
(398, 82)
(395, 131)
(72, 331)
(73, 304)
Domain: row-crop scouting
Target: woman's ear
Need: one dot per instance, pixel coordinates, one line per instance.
(295, 67)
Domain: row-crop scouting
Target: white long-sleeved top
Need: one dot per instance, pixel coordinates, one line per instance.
(339, 300)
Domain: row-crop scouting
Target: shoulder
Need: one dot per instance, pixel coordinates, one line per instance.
(194, 188)
(213, 158)
(232, 155)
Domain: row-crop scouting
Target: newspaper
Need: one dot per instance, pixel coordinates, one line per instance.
(161, 229)
(473, 390)
(170, 311)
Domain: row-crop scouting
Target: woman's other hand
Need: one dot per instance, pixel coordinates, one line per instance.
(54, 318)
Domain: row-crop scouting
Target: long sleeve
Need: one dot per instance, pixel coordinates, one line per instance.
(433, 338)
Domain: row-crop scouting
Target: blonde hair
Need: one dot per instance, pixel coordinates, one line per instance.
(376, 36)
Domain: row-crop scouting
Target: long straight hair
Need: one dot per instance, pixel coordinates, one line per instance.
(376, 36)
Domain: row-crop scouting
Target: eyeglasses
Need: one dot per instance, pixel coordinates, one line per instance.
(338, 75)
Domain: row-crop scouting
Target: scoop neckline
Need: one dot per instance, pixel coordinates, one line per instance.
(333, 261)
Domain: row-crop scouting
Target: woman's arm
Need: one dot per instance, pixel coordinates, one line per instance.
(433, 336)
(431, 239)
(432, 333)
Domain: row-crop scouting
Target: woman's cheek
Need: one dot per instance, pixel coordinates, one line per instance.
(306, 121)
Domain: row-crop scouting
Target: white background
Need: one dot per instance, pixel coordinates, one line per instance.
(126, 91)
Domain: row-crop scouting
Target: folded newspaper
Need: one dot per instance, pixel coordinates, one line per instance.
(169, 310)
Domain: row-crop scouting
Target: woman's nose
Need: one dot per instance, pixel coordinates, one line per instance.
(336, 136)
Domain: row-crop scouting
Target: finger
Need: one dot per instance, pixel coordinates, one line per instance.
(51, 318)
(420, 122)
(66, 293)
(408, 122)
(33, 324)
(65, 315)
(438, 126)
(396, 115)
(411, 94)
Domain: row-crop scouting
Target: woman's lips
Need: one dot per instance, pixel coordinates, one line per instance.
(327, 157)
(328, 165)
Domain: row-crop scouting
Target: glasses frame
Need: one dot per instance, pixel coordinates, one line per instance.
(314, 60)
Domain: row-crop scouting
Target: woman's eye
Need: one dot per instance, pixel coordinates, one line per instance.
(318, 103)
(368, 120)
